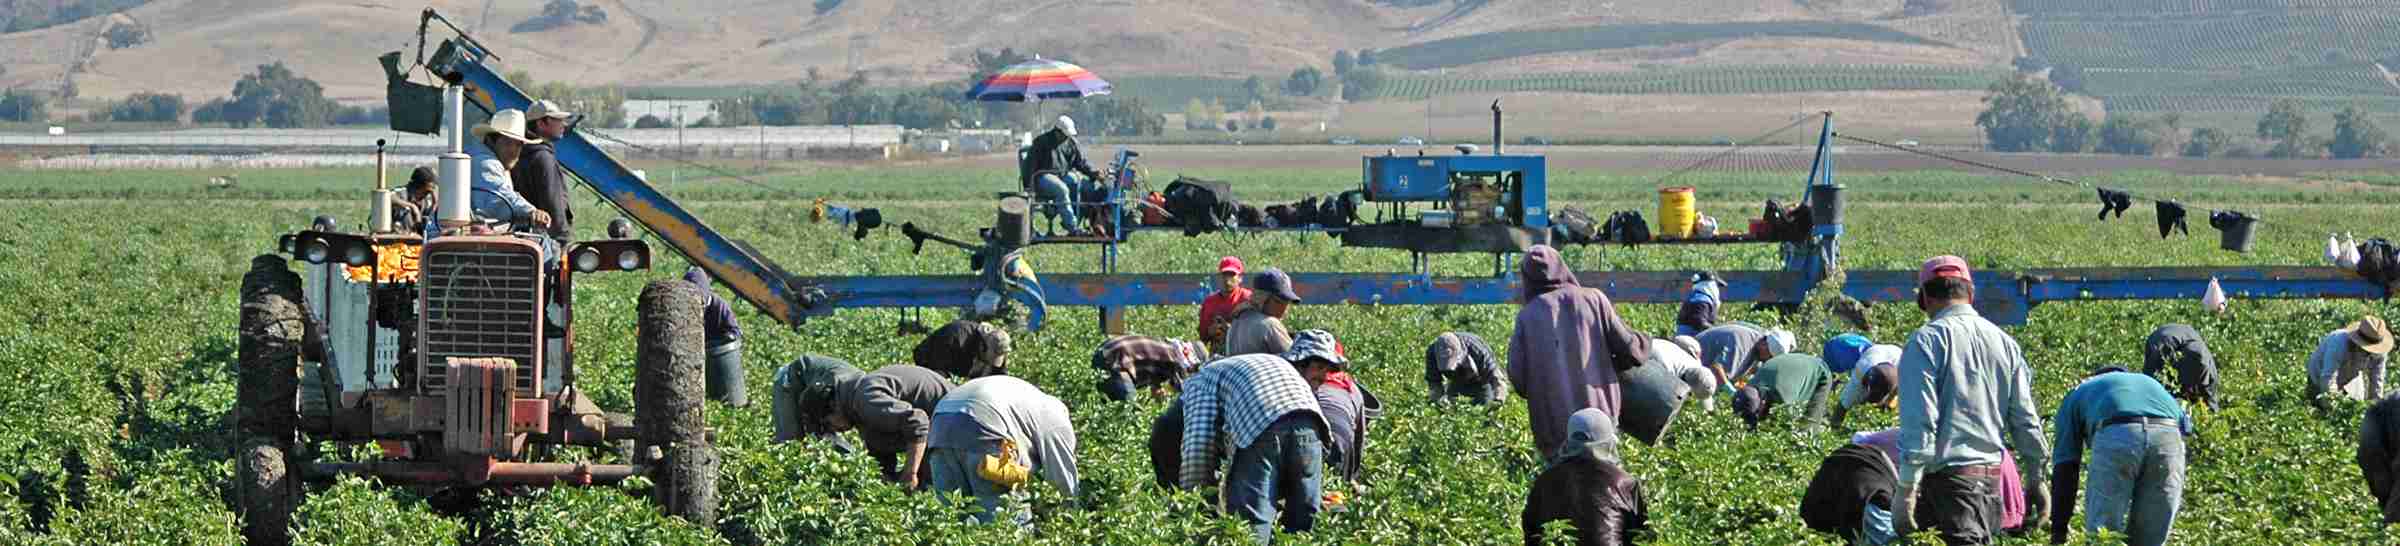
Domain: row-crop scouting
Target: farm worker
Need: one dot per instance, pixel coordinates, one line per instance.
(1258, 408)
(992, 434)
(2012, 483)
(1872, 370)
(1257, 326)
(2135, 431)
(1216, 312)
(537, 175)
(1166, 445)
(1699, 310)
(1655, 392)
(1964, 385)
(491, 195)
(2379, 455)
(2195, 368)
(804, 394)
(965, 349)
(1793, 378)
(1344, 402)
(1850, 496)
(1053, 155)
(1585, 484)
(1461, 364)
(724, 373)
(1731, 348)
(891, 409)
(1568, 347)
(416, 201)
(2342, 356)
(1127, 363)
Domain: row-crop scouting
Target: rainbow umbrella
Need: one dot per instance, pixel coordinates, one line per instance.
(1039, 79)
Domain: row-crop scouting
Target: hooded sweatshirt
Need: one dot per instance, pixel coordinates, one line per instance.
(721, 326)
(1586, 485)
(1567, 349)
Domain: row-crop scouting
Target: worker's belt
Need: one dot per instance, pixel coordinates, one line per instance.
(2140, 420)
(1978, 471)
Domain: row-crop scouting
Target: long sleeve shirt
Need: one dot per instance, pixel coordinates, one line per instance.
(1796, 379)
(1730, 346)
(2379, 455)
(1229, 403)
(2090, 405)
(1000, 407)
(891, 409)
(1854, 388)
(491, 194)
(538, 178)
(2337, 362)
(1254, 332)
(1150, 360)
(1964, 385)
(1463, 360)
(1218, 308)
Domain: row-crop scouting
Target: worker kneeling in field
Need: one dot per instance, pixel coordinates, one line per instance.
(1871, 370)
(965, 349)
(992, 435)
(724, 332)
(1568, 348)
(1130, 363)
(2379, 455)
(1260, 408)
(2195, 368)
(1585, 485)
(1793, 379)
(1730, 349)
(1347, 406)
(1257, 325)
(2135, 431)
(891, 409)
(1461, 364)
(2350, 362)
(1656, 391)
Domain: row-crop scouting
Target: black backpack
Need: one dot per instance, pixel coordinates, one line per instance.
(1200, 206)
(1246, 215)
(2379, 263)
(1341, 211)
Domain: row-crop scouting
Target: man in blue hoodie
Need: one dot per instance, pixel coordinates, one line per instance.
(724, 345)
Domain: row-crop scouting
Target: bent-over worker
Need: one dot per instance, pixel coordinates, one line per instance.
(1655, 392)
(2195, 368)
(1585, 484)
(1732, 348)
(2135, 431)
(1344, 402)
(2350, 362)
(2379, 455)
(724, 373)
(1260, 409)
(890, 407)
(1129, 363)
(1871, 370)
(1461, 364)
(964, 349)
(992, 434)
(1784, 381)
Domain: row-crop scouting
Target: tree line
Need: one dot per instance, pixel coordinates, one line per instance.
(2023, 114)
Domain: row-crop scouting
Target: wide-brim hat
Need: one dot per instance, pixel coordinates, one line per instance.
(508, 123)
(1316, 345)
(2371, 335)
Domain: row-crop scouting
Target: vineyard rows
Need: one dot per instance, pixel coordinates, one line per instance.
(2039, 8)
(2248, 104)
(1709, 81)
(1493, 46)
(2216, 43)
(2343, 80)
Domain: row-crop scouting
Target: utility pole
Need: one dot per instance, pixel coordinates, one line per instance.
(675, 110)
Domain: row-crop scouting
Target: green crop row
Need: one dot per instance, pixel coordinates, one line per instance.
(2346, 80)
(1712, 80)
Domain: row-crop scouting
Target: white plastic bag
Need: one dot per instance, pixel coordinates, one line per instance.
(2349, 260)
(2333, 249)
(2214, 299)
(1707, 227)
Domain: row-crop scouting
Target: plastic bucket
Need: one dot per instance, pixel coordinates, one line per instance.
(2234, 230)
(1825, 204)
(1678, 212)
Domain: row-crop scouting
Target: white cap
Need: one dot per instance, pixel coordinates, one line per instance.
(1067, 124)
(546, 109)
(1778, 341)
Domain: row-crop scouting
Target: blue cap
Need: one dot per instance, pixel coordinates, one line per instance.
(1842, 352)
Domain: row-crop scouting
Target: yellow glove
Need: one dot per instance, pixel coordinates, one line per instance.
(1003, 468)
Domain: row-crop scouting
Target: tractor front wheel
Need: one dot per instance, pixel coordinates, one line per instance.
(669, 395)
(271, 336)
(266, 490)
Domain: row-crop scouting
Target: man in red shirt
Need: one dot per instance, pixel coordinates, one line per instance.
(1217, 310)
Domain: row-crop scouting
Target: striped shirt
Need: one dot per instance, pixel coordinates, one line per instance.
(1229, 403)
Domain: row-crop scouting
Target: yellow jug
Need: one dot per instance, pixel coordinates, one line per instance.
(1003, 468)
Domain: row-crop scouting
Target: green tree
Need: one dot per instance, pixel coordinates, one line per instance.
(1304, 82)
(1363, 83)
(275, 96)
(150, 107)
(1118, 116)
(2355, 136)
(24, 105)
(2207, 142)
(1256, 87)
(648, 121)
(2072, 134)
(1366, 58)
(2022, 114)
(2129, 135)
(2287, 126)
(736, 112)
(1343, 62)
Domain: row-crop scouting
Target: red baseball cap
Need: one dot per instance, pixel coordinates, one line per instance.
(1229, 265)
(1944, 266)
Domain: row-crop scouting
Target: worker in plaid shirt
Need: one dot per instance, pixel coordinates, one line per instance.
(1260, 410)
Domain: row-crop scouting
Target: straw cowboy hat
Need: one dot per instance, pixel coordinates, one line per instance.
(2371, 335)
(508, 123)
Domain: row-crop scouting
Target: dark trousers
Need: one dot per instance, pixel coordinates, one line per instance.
(1962, 503)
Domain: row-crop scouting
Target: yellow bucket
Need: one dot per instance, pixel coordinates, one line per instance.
(1678, 212)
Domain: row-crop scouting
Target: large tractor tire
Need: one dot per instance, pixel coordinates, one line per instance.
(272, 334)
(266, 490)
(669, 394)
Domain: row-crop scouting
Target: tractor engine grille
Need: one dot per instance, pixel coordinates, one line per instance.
(481, 301)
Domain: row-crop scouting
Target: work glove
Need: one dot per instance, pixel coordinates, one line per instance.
(1904, 510)
(2037, 503)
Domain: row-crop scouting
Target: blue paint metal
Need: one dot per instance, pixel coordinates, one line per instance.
(1400, 178)
(1134, 290)
(750, 277)
(2008, 297)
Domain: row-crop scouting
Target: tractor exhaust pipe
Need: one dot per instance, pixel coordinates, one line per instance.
(1496, 150)
(454, 167)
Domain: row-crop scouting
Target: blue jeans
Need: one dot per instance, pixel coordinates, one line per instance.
(1286, 464)
(954, 474)
(2136, 483)
(1058, 194)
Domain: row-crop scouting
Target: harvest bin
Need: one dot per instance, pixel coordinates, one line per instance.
(1825, 204)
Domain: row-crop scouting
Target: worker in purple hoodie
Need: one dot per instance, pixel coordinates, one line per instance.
(724, 345)
(1568, 348)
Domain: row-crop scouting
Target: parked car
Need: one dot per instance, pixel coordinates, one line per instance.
(1534, 141)
(1344, 141)
(1907, 143)
(1412, 141)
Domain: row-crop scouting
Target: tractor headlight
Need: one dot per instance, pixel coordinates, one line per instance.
(587, 260)
(629, 259)
(315, 251)
(357, 255)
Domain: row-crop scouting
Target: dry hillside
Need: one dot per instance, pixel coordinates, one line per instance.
(199, 47)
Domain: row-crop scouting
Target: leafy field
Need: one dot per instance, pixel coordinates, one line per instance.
(113, 396)
(1493, 46)
(1709, 80)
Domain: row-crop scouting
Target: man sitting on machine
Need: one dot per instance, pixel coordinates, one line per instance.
(1048, 163)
